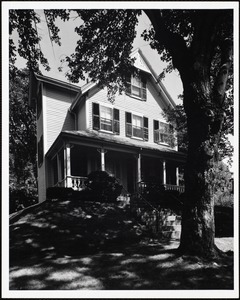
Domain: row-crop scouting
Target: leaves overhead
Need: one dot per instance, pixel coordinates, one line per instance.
(25, 23)
(104, 47)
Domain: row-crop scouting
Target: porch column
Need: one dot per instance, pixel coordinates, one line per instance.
(102, 151)
(164, 172)
(67, 165)
(177, 176)
(139, 177)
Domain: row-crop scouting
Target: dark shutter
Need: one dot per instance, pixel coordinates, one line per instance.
(156, 125)
(145, 128)
(155, 131)
(128, 88)
(116, 127)
(128, 124)
(96, 118)
(144, 90)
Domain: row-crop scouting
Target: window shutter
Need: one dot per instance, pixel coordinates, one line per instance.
(144, 90)
(156, 132)
(96, 118)
(145, 129)
(128, 88)
(128, 124)
(116, 127)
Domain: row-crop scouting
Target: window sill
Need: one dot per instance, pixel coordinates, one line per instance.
(106, 131)
(136, 138)
(136, 97)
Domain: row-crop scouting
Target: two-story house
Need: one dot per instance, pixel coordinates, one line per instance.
(80, 131)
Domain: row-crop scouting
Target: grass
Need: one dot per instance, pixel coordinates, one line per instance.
(69, 245)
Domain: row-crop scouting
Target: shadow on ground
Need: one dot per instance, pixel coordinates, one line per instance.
(70, 245)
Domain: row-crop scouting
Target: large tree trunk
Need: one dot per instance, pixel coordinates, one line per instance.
(198, 228)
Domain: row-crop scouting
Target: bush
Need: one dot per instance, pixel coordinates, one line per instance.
(59, 193)
(21, 198)
(104, 188)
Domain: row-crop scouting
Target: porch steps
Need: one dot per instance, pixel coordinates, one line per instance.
(163, 222)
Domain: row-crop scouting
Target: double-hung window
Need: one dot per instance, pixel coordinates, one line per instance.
(105, 118)
(136, 126)
(161, 132)
(137, 87)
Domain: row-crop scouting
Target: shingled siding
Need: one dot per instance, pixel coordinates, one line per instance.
(151, 108)
(58, 117)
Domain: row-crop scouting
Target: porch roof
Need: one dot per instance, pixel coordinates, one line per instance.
(98, 139)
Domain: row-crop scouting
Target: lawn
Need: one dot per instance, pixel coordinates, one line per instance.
(69, 245)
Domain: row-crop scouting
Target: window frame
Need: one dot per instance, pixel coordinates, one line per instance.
(161, 134)
(142, 88)
(97, 119)
(130, 127)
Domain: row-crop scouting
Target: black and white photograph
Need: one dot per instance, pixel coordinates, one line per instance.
(120, 149)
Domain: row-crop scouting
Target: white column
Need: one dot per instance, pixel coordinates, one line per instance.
(164, 172)
(177, 176)
(67, 165)
(139, 177)
(102, 151)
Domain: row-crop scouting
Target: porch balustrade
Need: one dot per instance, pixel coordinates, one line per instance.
(77, 183)
(171, 187)
(167, 187)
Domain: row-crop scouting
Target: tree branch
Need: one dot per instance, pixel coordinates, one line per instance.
(173, 42)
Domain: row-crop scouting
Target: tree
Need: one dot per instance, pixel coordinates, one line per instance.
(22, 138)
(198, 43)
(221, 175)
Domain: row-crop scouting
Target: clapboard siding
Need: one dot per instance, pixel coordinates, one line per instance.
(152, 108)
(81, 117)
(57, 115)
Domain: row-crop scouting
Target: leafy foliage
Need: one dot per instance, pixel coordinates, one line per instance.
(104, 188)
(177, 117)
(25, 23)
(105, 43)
(22, 139)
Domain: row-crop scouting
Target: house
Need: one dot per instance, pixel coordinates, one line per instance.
(80, 131)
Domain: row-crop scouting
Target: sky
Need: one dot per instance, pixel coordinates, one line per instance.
(55, 53)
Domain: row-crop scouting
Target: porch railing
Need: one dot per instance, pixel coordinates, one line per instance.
(77, 183)
(171, 187)
(142, 185)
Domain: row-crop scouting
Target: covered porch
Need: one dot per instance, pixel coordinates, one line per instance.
(134, 167)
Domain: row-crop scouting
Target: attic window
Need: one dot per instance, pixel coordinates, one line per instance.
(137, 87)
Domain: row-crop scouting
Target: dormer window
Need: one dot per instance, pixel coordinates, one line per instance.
(137, 87)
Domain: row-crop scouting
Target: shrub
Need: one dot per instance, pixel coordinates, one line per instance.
(104, 188)
(21, 198)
